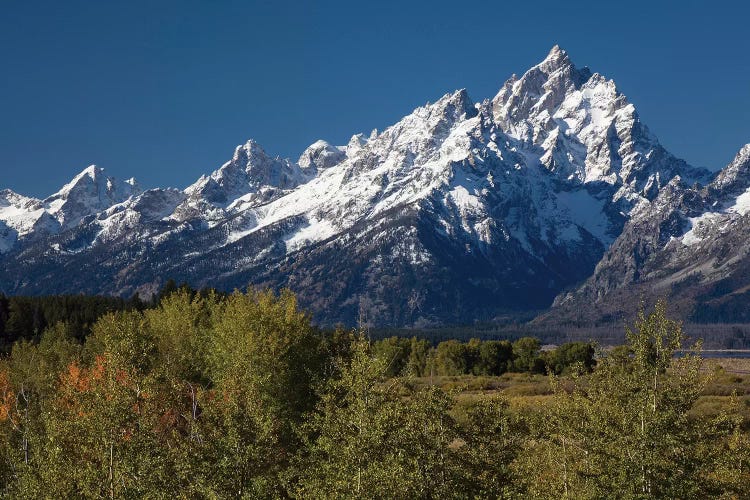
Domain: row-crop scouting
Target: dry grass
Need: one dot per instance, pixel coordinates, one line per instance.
(527, 393)
(738, 365)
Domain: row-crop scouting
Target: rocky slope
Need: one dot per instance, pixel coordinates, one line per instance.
(689, 245)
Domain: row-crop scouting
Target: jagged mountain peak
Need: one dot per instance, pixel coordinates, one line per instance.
(455, 105)
(586, 130)
(556, 52)
(260, 168)
(10, 197)
(250, 176)
(542, 88)
(448, 109)
(94, 178)
(250, 153)
(88, 193)
(355, 144)
(557, 64)
(427, 124)
(88, 175)
(736, 175)
(556, 59)
(320, 155)
(90, 171)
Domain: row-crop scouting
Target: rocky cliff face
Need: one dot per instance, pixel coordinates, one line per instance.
(689, 245)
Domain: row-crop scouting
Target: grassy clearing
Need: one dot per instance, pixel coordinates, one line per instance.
(526, 392)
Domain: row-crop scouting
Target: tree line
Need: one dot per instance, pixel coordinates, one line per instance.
(417, 357)
(240, 396)
(27, 317)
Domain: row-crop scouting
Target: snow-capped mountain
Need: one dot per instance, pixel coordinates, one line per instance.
(588, 131)
(460, 211)
(90, 192)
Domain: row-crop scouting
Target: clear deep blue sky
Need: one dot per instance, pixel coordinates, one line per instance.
(164, 90)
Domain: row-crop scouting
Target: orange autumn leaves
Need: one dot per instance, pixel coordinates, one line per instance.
(101, 380)
(7, 396)
(79, 379)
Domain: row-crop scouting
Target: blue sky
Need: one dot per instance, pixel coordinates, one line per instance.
(164, 90)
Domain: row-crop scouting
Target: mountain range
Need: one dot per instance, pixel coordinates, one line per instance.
(552, 197)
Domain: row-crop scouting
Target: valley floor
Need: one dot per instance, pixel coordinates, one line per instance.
(729, 378)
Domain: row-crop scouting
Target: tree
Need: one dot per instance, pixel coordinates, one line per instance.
(365, 440)
(264, 360)
(23, 319)
(729, 468)
(98, 424)
(452, 358)
(526, 355)
(168, 289)
(492, 438)
(395, 352)
(7, 431)
(419, 352)
(4, 312)
(181, 328)
(495, 357)
(573, 355)
(627, 429)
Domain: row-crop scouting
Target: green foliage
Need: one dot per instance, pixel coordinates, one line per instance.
(526, 355)
(4, 313)
(495, 357)
(200, 395)
(628, 429)
(492, 438)
(213, 396)
(573, 355)
(453, 358)
(416, 358)
(395, 353)
(264, 359)
(419, 354)
(181, 327)
(28, 317)
(366, 440)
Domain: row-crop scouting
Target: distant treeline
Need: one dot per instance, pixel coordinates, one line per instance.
(26, 318)
(604, 334)
(715, 335)
(417, 357)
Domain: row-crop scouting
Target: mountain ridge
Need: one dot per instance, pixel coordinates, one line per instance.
(460, 211)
